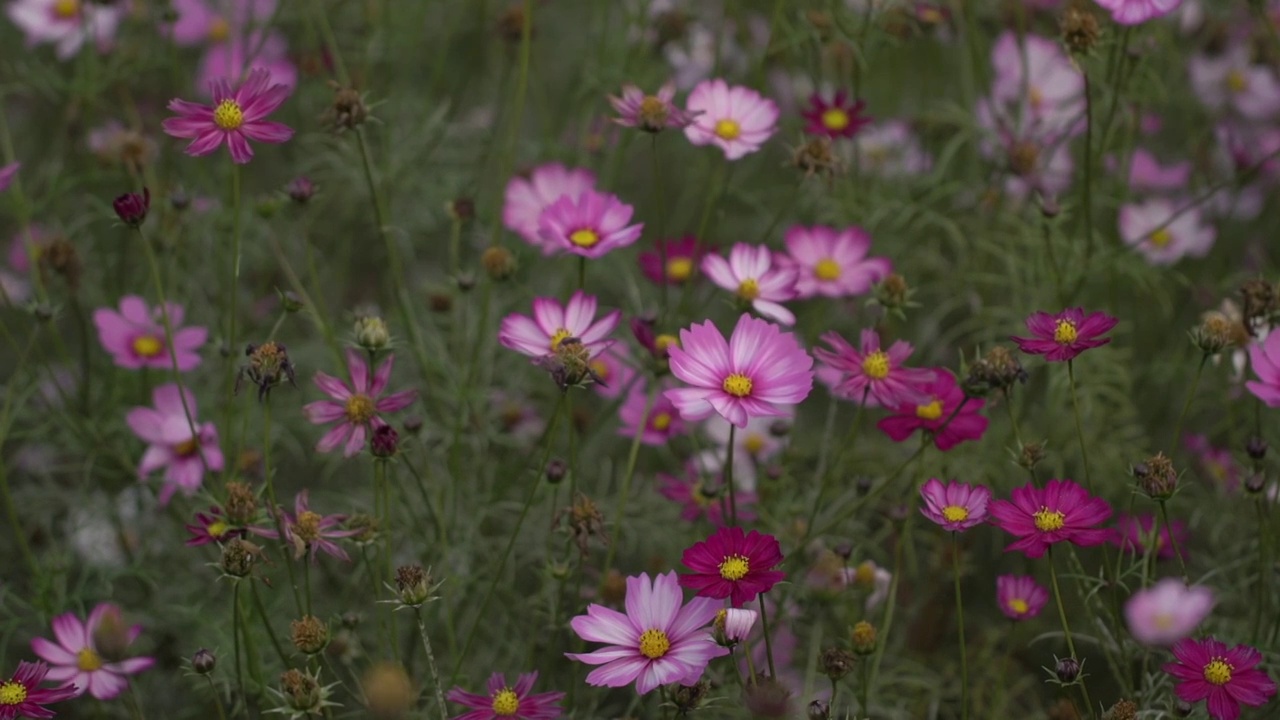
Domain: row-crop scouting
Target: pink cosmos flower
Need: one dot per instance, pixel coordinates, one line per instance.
(657, 642)
(735, 119)
(1207, 669)
(755, 444)
(505, 701)
(308, 531)
(590, 225)
(1049, 92)
(236, 117)
(211, 527)
(1167, 611)
(1019, 597)
(551, 324)
(650, 113)
(660, 423)
(1060, 511)
(7, 174)
(1264, 358)
(1136, 12)
(738, 623)
(22, 697)
(201, 21)
(752, 274)
(135, 336)
(842, 117)
(756, 372)
(832, 263)
(613, 367)
(732, 564)
(171, 444)
(66, 23)
(525, 199)
(356, 406)
(1147, 174)
(873, 376)
(1065, 335)
(1232, 80)
(955, 506)
(1216, 462)
(699, 500)
(237, 57)
(1132, 534)
(681, 261)
(1143, 226)
(890, 149)
(945, 396)
(76, 659)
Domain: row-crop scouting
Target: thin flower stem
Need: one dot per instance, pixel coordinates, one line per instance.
(864, 690)
(1173, 541)
(10, 508)
(1186, 404)
(619, 515)
(1264, 565)
(233, 289)
(891, 602)
(783, 210)
(217, 698)
(825, 477)
(436, 516)
(306, 585)
(431, 661)
(1066, 629)
(1087, 204)
(728, 475)
(964, 654)
(266, 623)
(751, 665)
(582, 272)
(235, 632)
(657, 189)
(1075, 407)
(768, 643)
(135, 703)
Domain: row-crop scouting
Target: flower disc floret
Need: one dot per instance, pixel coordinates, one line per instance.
(733, 564)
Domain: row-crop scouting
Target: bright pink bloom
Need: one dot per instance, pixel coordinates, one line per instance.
(945, 396)
(753, 275)
(842, 117)
(172, 445)
(955, 506)
(660, 423)
(1264, 358)
(1136, 12)
(67, 23)
(22, 697)
(212, 527)
(1233, 80)
(756, 372)
(589, 225)
(135, 336)
(357, 405)
(551, 324)
(1227, 677)
(231, 59)
(1132, 533)
(650, 113)
(832, 263)
(1167, 611)
(657, 642)
(682, 258)
(1065, 335)
(732, 564)
(1019, 597)
(525, 199)
(700, 501)
(7, 174)
(506, 701)
(1061, 511)
(76, 660)
(873, 376)
(236, 117)
(308, 531)
(613, 368)
(736, 119)
(1146, 227)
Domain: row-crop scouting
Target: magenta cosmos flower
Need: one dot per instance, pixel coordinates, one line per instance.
(590, 225)
(1227, 678)
(873, 376)
(1136, 12)
(7, 174)
(1167, 611)
(308, 531)
(1065, 335)
(66, 23)
(355, 406)
(650, 113)
(211, 527)
(526, 198)
(698, 500)
(1020, 597)
(506, 701)
(22, 697)
(135, 336)
(1264, 358)
(673, 262)
(833, 263)
(945, 396)
(955, 506)
(751, 273)
(733, 564)
(171, 445)
(841, 117)
(1132, 533)
(76, 660)
(660, 422)
(244, 52)
(659, 640)
(551, 324)
(1060, 511)
(735, 119)
(1146, 227)
(757, 373)
(236, 117)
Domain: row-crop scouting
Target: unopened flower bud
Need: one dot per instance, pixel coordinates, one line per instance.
(844, 550)
(779, 428)
(179, 200)
(351, 620)
(1049, 207)
(893, 292)
(413, 424)
(371, 333)
(1256, 447)
(733, 625)
(556, 470)
(363, 526)
(388, 691)
(1182, 708)
(309, 634)
(1255, 483)
(864, 638)
(289, 301)
(498, 262)
(819, 710)
(466, 281)
(413, 585)
(301, 189)
(267, 206)
(385, 441)
(1067, 670)
(1031, 455)
(836, 662)
(203, 661)
(132, 208)
(1161, 479)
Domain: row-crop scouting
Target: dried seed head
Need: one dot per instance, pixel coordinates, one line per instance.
(461, 209)
(1031, 455)
(1260, 303)
(585, 522)
(365, 526)
(309, 634)
(1160, 479)
(1123, 710)
(816, 156)
(688, 698)
(1215, 333)
(388, 691)
(613, 589)
(413, 585)
(1079, 28)
(837, 662)
(498, 262)
(302, 691)
(241, 507)
(61, 257)
(894, 293)
(819, 710)
(268, 366)
(997, 370)
(347, 111)
(511, 24)
(238, 557)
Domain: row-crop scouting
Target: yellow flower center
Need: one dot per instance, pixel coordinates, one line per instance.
(1163, 621)
(360, 408)
(876, 365)
(1237, 82)
(1065, 332)
(217, 529)
(653, 113)
(506, 703)
(662, 342)
(734, 568)
(753, 443)
(835, 119)
(147, 346)
(932, 411)
(737, 385)
(865, 573)
(679, 269)
(1049, 520)
(1218, 671)
(560, 336)
(827, 269)
(187, 448)
(66, 8)
(584, 238)
(1035, 97)
(600, 369)
(307, 527)
(219, 30)
(955, 513)
(1160, 238)
(654, 643)
(12, 693)
(228, 115)
(749, 289)
(1019, 606)
(88, 660)
(728, 129)
(661, 421)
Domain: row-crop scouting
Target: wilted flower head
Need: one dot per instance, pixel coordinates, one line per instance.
(841, 117)
(268, 366)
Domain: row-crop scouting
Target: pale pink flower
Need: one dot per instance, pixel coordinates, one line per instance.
(831, 262)
(590, 225)
(1146, 226)
(552, 324)
(525, 199)
(171, 445)
(615, 373)
(1049, 95)
(1232, 80)
(1146, 174)
(1167, 611)
(752, 274)
(135, 336)
(77, 661)
(661, 420)
(890, 149)
(231, 59)
(736, 119)
(650, 113)
(67, 23)
(1136, 12)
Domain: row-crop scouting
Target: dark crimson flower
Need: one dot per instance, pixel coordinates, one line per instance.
(22, 696)
(212, 527)
(1065, 335)
(1207, 670)
(836, 119)
(1060, 511)
(945, 396)
(506, 701)
(732, 564)
(132, 208)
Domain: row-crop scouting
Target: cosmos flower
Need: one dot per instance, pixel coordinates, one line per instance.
(1036, 79)
(207, 21)
(1167, 611)
(673, 262)
(831, 262)
(135, 336)
(650, 113)
(1146, 226)
(66, 23)
(1061, 511)
(1233, 80)
(551, 324)
(752, 274)
(309, 532)
(659, 641)
(22, 697)
(736, 119)
(526, 198)
(589, 225)
(614, 370)
(1146, 174)
(211, 527)
(733, 564)
(839, 118)
(661, 421)
(1065, 335)
(356, 406)
(506, 701)
(1206, 669)
(245, 52)
(236, 117)
(955, 506)
(1264, 358)
(1136, 12)
(945, 397)
(1132, 534)
(889, 149)
(755, 444)
(698, 500)
(874, 376)
(172, 445)
(77, 661)
(1019, 597)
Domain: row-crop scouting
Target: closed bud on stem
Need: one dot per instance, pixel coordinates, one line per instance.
(461, 209)
(1182, 708)
(1031, 455)
(132, 208)
(385, 442)
(688, 698)
(1215, 333)
(309, 634)
(498, 263)
(203, 661)
(371, 333)
(300, 189)
(864, 638)
(556, 470)
(1256, 447)
(1067, 670)
(1255, 483)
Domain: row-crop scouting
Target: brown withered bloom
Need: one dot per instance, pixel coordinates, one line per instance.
(461, 209)
(56, 255)
(511, 24)
(268, 366)
(498, 262)
(347, 111)
(241, 507)
(1158, 478)
(1123, 710)
(1079, 27)
(1031, 455)
(238, 557)
(999, 369)
(1216, 332)
(569, 364)
(816, 156)
(836, 662)
(688, 698)
(414, 585)
(1260, 304)
(303, 692)
(309, 634)
(585, 522)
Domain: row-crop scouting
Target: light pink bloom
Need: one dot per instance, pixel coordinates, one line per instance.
(661, 422)
(832, 263)
(1145, 226)
(955, 506)
(1232, 80)
(736, 119)
(171, 444)
(236, 117)
(207, 21)
(614, 369)
(1146, 174)
(756, 373)
(1167, 611)
(873, 376)
(1050, 94)
(525, 199)
(551, 324)
(135, 336)
(1264, 358)
(1136, 12)
(699, 499)
(7, 173)
(890, 149)
(590, 225)
(76, 660)
(751, 273)
(231, 59)
(67, 23)
(739, 622)
(355, 406)
(650, 113)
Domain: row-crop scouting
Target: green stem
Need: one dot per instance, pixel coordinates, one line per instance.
(1264, 565)
(619, 515)
(235, 631)
(865, 689)
(964, 654)
(1066, 629)
(1186, 404)
(582, 272)
(266, 623)
(233, 289)
(1087, 205)
(517, 117)
(768, 643)
(728, 477)
(10, 508)
(431, 661)
(1075, 407)
(1173, 541)
(217, 698)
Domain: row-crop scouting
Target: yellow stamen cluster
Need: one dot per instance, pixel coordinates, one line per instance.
(228, 115)
(506, 703)
(1065, 332)
(728, 129)
(827, 269)
(307, 527)
(1161, 238)
(584, 238)
(737, 385)
(955, 513)
(679, 269)
(734, 568)
(360, 409)
(835, 119)
(654, 643)
(12, 693)
(147, 346)
(749, 289)
(932, 411)
(876, 365)
(1047, 520)
(88, 660)
(1218, 671)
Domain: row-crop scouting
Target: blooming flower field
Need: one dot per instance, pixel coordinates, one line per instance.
(638, 359)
